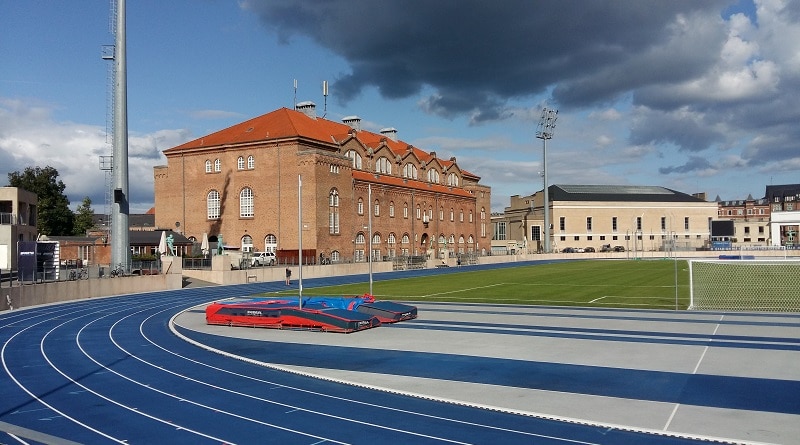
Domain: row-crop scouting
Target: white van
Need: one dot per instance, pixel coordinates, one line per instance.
(262, 259)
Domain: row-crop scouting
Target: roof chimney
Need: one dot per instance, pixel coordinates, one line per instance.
(390, 132)
(353, 121)
(308, 108)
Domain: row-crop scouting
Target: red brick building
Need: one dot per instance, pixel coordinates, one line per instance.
(242, 183)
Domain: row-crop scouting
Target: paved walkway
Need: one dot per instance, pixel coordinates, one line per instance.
(708, 375)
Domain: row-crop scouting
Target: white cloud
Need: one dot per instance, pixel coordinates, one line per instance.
(30, 137)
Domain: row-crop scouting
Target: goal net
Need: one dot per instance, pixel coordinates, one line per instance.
(744, 285)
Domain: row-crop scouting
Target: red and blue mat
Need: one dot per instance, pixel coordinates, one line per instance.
(329, 314)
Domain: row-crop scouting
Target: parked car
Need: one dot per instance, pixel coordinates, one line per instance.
(262, 259)
(589, 249)
(619, 248)
(579, 250)
(606, 248)
(568, 250)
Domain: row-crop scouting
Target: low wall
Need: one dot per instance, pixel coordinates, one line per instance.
(60, 291)
(221, 273)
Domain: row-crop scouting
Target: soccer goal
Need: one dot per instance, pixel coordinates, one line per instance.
(744, 285)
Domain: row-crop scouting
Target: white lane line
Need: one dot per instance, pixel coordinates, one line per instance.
(694, 371)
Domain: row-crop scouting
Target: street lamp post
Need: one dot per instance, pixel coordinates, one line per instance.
(544, 131)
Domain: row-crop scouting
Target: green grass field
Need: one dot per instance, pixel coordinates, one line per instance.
(591, 283)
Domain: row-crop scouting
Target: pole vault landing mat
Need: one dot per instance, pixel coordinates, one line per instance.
(328, 314)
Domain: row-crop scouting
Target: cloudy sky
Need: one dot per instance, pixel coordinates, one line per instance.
(697, 96)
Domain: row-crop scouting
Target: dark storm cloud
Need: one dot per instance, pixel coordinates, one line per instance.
(476, 54)
(695, 163)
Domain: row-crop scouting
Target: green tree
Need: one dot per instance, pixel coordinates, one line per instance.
(84, 217)
(55, 217)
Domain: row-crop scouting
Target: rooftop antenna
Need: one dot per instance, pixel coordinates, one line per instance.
(325, 93)
(295, 94)
(544, 131)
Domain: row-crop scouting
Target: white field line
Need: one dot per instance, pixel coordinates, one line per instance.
(461, 290)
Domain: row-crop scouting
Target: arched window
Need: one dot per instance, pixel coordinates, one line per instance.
(217, 165)
(246, 203)
(360, 206)
(384, 165)
(433, 176)
(405, 210)
(251, 162)
(441, 213)
(376, 239)
(377, 206)
(405, 239)
(418, 212)
(355, 158)
(360, 238)
(335, 256)
(391, 209)
(270, 243)
(212, 204)
(452, 180)
(208, 166)
(410, 171)
(240, 163)
(333, 212)
(247, 243)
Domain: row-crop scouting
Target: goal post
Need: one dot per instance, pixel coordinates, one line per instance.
(744, 285)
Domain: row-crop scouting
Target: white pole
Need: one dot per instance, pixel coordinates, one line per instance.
(369, 235)
(300, 240)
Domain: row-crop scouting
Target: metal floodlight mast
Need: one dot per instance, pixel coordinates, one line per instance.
(120, 243)
(544, 131)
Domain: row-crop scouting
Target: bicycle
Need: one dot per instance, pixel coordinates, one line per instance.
(117, 271)
(79, 274)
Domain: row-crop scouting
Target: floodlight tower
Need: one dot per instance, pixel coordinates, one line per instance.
(120, 241)
(544, 131)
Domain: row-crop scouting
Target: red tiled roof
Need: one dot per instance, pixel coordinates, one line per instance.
(375, 178)
(286, 123)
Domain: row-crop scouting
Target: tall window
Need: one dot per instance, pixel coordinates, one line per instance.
(441, 213)
(452, 215)
(663, 223)
(588, 223)
(359, 250)
(270, 243)
(452, 180)
(405, 210)
(355, 158)
(686, 223)
(499, 231)
(562, 223)
(246, 203)
(208, 166)
(333, 212)
(384, 165)
(247, 243)
(461, 215)
(410, 171)
(212, 204)
(377, 206)
(251, 162)
(638, 223)
(391, 209)
(376, 247)
(613, 223)
(360, 206)
(240, 163)
(217, 165)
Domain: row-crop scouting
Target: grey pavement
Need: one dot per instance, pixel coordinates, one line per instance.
(760, 350)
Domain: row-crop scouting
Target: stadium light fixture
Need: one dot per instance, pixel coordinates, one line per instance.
(544, 131)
